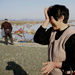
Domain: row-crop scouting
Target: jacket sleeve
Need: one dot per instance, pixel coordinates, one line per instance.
(10, 26)
(2, 26)
(70, 53)
(42, 36)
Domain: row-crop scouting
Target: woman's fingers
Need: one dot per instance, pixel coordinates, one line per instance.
(45, 63)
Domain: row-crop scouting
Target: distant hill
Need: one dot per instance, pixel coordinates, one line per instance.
(25, 19)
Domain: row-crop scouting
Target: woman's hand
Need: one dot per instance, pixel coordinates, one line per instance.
(46, 22)
(46, 14)
(49, 66)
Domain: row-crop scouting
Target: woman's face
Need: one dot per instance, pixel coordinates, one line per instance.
(56, 24)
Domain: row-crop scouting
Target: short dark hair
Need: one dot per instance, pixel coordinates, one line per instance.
(5, 19)
(57, 11)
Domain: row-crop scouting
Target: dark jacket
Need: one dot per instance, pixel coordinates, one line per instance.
(6, 25)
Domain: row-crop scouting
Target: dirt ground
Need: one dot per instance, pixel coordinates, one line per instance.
(22, 58)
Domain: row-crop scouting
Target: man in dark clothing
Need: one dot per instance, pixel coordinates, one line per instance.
(7, 30)
(60, 40)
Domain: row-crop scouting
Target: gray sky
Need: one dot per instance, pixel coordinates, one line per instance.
(31, 9)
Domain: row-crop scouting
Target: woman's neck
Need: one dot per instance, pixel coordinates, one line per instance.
(63, 27)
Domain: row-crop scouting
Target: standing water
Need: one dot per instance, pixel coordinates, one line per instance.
(27, 28)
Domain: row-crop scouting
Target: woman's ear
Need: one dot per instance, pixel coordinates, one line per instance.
(61, 18)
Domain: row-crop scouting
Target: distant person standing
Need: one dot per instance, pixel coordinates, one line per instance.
(7, 30)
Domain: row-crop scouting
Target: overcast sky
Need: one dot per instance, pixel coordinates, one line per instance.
(31, 9)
